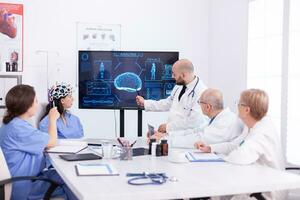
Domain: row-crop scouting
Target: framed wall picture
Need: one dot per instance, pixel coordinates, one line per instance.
(11, 37)
(6, 83)
(97, 36)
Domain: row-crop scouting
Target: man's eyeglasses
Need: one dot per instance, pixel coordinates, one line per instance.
(240, 104)
(201, 102)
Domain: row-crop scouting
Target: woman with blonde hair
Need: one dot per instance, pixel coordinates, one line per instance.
(259, 143)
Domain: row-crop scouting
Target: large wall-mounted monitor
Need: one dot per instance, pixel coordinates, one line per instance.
(112, 79)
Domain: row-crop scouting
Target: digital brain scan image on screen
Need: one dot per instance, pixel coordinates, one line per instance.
(112, 79)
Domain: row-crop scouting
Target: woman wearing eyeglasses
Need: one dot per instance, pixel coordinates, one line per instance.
(259, 143)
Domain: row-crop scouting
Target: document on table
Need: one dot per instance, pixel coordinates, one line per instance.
(203, 157)
(96, 149)
(95, 169)
(68, 146)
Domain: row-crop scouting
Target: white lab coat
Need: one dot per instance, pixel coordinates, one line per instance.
(183, 114)
(225, 127)
(260, 145)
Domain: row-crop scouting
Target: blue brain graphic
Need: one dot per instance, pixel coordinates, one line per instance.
(128, 81)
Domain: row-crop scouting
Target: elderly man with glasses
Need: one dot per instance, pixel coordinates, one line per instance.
(223, 125)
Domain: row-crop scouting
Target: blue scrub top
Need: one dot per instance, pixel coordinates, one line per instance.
(71, 130)
(23, 147)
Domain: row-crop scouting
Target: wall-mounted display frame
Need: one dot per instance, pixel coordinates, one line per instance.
(97, 36)
(6, 83)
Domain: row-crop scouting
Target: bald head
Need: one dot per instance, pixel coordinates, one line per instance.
(184, 65)
(213, 97)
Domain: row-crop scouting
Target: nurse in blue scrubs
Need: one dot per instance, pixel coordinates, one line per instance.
(68, 125)
(23, 145)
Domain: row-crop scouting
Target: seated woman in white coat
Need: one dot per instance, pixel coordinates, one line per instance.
(259, 143)
(223, 126)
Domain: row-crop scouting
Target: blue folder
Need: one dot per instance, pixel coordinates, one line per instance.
(203, 157)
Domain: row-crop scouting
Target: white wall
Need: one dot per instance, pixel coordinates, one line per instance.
(211, 33)
(146, 25)
(228, 32)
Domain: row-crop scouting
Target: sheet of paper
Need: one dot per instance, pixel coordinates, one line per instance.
(96, 149)
(71, 142)
(66, 149)
(68, 146)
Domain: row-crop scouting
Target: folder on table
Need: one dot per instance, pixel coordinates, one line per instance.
(95, 169)
(79, 157)
(203, 157)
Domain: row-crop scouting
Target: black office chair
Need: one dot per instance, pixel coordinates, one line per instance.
(292, 168)
(258, 196)
(6, 180)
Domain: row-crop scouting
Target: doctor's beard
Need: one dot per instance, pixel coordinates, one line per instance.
(180, 81)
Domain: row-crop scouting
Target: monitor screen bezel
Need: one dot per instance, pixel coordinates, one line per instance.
(106, 51)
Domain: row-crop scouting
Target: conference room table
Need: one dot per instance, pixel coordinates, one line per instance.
(188, 180)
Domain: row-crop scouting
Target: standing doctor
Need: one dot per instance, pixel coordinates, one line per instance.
(185, 112)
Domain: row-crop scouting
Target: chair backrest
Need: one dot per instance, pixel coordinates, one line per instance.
(5, 174)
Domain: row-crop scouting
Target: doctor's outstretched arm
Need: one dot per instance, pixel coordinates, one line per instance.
(140, 101)
(190, 118)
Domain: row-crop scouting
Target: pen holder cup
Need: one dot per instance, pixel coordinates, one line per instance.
(126, 153)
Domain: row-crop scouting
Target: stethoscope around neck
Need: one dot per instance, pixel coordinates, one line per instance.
(192, 92)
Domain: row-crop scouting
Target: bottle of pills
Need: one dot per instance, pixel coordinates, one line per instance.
(150, 145)
(153, 148)
(164, 147)
(158, 150)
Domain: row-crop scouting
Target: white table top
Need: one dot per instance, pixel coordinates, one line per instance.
(194, 179)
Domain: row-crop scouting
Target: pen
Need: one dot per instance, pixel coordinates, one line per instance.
(133, 144)
(120, 142)
(242, 142)
(82, 149)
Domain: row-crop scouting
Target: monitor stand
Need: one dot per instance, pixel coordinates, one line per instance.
(140, 123)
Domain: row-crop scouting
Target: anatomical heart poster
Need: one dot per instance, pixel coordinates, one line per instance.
(11, 37)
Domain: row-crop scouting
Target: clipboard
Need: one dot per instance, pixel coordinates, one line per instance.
(203, 157)
(95, 169)
(151, 129)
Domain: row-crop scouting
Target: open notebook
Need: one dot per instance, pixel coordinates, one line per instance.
(68, 146)
(95, 169)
